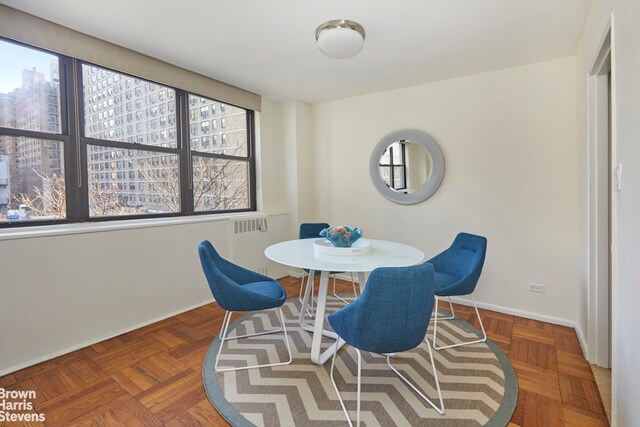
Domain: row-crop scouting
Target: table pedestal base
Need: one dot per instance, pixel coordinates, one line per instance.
(318, 329)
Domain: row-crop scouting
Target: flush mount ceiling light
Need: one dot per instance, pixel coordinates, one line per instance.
(340, 38)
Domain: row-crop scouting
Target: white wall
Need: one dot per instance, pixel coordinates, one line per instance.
(509, 140)
(65, 291)
(299, 168)
(271, 152)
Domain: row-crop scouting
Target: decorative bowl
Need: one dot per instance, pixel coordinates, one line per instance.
(324, 250)
(342, 236)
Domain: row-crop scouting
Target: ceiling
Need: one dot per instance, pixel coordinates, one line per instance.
(269, 47)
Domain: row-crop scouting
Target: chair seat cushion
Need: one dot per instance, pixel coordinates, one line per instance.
(269, 289)
(443, 281)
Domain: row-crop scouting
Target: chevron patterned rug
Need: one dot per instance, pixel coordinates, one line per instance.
(478, 383)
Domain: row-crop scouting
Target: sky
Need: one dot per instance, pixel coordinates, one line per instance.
(15, 58)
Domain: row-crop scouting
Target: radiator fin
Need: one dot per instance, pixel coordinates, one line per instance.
(263, 270)
(250, 225)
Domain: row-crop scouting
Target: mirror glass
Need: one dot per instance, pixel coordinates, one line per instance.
(405, 166)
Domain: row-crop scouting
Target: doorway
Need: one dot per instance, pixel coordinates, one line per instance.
(601, 205)
(602, 171)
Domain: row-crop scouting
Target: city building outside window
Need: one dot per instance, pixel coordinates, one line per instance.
(32, 167)
(221, 177)
(128, 171)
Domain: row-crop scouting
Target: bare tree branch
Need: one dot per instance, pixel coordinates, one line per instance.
(218, 185)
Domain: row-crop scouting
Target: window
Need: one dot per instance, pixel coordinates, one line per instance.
(108, 198)
(221, 179)
(393, 166)
(142, 114)
(32, 169)
(135, 164)
(112, 197)
(220, 184)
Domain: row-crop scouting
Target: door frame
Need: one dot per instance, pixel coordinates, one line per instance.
(602, 202)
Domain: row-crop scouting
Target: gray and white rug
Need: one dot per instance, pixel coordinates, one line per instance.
(478, 383)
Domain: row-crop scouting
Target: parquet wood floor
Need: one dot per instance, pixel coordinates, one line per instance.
(603, 380)
(153, 376)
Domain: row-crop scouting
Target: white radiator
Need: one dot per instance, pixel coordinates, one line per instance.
(249, 237)
(250, 225)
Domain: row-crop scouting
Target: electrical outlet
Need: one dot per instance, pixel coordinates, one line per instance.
(536, 287)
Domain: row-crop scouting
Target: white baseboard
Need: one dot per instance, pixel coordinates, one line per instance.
(297, 273)
(529, 315)
(583, 341)
(487, 306)
(97, 340)
(517, 312)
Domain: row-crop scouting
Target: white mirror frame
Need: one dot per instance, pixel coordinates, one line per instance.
(437, 166)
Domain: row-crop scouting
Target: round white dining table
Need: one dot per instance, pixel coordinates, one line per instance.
(300, 254)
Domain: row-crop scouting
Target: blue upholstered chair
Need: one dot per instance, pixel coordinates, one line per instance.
(391, 316)
(310, 230)
(457, 271)
(237, 289)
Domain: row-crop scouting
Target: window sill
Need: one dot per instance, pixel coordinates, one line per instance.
(99, 227)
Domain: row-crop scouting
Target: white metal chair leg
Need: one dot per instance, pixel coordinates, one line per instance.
(435, 329)
(223, 337)
(359, 387)
(304, 274)
(440, 409)
(453, 314)
(310, 311)
(335, 387)
(353, 285)
(311, 284)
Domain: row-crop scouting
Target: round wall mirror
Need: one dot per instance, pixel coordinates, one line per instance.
(407, 166)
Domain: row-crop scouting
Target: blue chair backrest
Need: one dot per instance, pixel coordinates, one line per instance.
(464, 260)
(393, 312)
(309, 230)
(222, 287)
(228, 281)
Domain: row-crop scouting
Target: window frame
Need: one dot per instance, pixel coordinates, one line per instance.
(391, 166)
(249, 158)
(75, 146)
